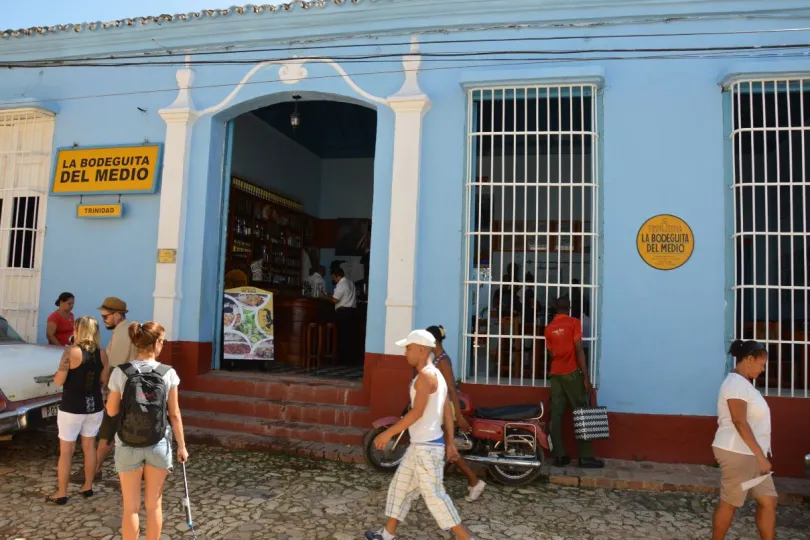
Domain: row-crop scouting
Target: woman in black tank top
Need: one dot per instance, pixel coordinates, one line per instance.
(81, 393)
(82, 371)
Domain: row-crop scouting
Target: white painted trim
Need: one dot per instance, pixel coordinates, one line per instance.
(410, 105)
(179, 117)
(585, 74)
(289, 73)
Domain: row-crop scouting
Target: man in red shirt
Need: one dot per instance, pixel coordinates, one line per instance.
(569, 381)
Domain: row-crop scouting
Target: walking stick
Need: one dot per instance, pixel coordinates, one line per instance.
(187, 502)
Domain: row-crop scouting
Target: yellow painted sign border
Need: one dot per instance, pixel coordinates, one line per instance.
(153, 189)
(691, 234)
(119, 211)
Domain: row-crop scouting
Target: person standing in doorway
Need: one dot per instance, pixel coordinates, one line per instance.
(430, 426)
(475, 486)
(345, 301)
(59, 328)
(120, 350)
(570, 384)
(742, 443)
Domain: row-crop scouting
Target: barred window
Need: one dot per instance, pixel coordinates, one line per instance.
(26, 139)
(532, 231)
(770, 136)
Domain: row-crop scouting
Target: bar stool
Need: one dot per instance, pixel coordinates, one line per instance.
(313, 347)
(330, 352)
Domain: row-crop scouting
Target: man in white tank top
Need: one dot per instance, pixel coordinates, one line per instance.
(421, 471)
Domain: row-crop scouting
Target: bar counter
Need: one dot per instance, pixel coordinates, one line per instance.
(292, 315)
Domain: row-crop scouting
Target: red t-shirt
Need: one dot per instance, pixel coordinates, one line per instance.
(561, 334)
(64, 327)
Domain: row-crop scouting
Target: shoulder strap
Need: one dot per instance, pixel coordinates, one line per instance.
(128, 369)
(162, 369)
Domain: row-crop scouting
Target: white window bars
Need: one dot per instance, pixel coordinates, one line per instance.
(532, 233)
(26, 138)
(770, 136)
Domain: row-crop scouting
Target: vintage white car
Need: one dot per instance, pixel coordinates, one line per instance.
(28, 395)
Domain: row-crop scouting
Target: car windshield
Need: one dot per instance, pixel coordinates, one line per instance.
(7, 333)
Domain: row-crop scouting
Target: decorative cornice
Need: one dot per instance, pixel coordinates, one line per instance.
(165, 19)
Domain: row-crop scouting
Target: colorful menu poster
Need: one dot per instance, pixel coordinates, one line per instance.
(248, 324)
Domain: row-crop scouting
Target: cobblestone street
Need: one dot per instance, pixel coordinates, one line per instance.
(244, 495)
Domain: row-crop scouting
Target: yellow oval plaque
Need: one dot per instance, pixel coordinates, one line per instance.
(665, 242)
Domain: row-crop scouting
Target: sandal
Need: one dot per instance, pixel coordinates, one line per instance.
(56, 500)
(86, 494)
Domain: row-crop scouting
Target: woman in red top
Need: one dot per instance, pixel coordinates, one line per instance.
(60, 323)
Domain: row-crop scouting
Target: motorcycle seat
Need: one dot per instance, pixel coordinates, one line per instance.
(510, 412)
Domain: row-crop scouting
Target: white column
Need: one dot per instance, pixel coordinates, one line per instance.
(409, 106)
(179, 117)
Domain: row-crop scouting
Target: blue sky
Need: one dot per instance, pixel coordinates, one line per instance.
(51, 12)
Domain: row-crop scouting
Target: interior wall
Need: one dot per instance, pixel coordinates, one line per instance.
(265, 157)
(347, 191)
(347, 188)
(328, 188)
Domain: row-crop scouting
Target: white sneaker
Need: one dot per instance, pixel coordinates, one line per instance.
(475, 491)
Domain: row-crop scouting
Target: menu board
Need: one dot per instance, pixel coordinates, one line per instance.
(248, 324)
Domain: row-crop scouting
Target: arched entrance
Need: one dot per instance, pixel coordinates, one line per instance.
(189, 274)
(297, 206)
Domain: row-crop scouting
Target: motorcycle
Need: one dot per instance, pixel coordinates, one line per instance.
(509, 440)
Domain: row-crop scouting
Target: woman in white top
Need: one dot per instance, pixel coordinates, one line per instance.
(743, 442)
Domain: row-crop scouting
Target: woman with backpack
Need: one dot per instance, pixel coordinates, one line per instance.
(145, 393)
(80, 412)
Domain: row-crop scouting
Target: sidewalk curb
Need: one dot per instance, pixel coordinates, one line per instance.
(592, 482)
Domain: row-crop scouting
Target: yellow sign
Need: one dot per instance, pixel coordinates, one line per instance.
(167, 256)
(99, 210)
(113, 169)
(665, 242)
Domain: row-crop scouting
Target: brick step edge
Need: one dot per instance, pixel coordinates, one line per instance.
(274, 445)
(291, 411)
(591, 481)
(265, 427)
(282, 389)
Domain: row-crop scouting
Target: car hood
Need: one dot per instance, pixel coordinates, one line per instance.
(20, 363)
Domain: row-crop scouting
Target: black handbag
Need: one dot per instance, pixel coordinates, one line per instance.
(591, 423)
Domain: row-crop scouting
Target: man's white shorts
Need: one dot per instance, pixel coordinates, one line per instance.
(421, 472)
(72, 425)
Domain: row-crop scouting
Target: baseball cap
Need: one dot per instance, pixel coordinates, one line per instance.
(113, 304)
(418, 337)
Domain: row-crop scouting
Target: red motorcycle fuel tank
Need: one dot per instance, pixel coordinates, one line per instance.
(488, 429)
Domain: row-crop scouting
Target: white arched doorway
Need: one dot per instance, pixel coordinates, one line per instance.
(186, 277)
(297, 198)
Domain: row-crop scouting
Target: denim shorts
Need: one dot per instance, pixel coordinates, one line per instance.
(130, 458)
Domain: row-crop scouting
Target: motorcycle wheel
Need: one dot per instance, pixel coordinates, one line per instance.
(516, 476)
(380, 459)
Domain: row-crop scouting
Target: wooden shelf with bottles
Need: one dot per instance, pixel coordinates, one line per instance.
(268, 230)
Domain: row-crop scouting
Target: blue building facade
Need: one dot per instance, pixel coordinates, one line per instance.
(654, 91)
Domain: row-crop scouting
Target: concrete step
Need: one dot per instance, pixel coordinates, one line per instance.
(314, 433)
(289, 411)
(261, 443)
(282, 388)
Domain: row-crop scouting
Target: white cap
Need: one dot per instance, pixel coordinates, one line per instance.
(418, 337)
